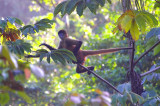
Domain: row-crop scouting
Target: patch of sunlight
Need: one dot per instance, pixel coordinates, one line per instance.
(76, 76)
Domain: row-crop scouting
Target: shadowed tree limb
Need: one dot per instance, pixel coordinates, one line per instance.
(151, 71)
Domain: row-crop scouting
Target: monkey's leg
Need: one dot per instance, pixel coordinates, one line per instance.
(80, 69)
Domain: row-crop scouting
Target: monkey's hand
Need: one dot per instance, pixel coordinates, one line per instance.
(91, 68)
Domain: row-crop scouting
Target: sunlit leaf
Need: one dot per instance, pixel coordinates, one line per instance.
(24, 96)
(134, 30)
(115, 30)
(4, 52)
(141, 22)
(4, 98)
(126, 23)
(157, 49)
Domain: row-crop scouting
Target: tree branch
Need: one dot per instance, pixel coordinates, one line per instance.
(146, 52)
(101, 78)
(151, 71)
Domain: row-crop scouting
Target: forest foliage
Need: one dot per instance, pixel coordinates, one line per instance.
(100, 24)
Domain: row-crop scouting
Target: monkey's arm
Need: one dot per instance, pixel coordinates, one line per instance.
(77, 44)
(48, 46)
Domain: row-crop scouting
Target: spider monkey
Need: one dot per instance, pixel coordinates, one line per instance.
(74, 46)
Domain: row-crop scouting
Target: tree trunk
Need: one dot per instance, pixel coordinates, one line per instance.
(135, 78)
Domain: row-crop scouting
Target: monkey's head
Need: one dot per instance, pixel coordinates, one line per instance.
(62, 34)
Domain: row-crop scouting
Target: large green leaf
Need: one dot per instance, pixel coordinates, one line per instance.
(19, 46)
(150, 19)
(126, 23)
(71, 6)
(136, 98)
(28, 29)
(43, 24)
(141, 22)
(134, 30)
(63, 10)
(59, 7)
(80, 7)
(101, 2)
(4, 52)
(92, 5)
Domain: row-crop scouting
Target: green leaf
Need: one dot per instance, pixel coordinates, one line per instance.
(126, 23)
(59, 7)
(60, 58)
(19, 46)
(134, 30)
(153, 32)
(24, 96)
(141, 22)
(150, 19)
(71, 6)
(136, 98)
(80, 7)
(28, 29)
(63, 10)
(3, 23)
(67, 52)
(18, 21)
(48, 57)
(43, 24)
(157, 49)
(42, 56)
(4, 98)
(109, 1)
(92, 5)
(4, 52)
(101, 2)
(54, 58)
(14, 20)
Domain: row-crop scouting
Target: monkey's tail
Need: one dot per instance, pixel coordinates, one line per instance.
(103, 51)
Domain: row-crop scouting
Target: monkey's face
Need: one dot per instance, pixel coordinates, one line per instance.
(61, 35)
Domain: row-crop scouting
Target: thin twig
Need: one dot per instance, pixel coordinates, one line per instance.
(146, 52)
(151, 71)
(101, 78)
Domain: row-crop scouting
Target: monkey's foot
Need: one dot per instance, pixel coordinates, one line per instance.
(91, 68)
